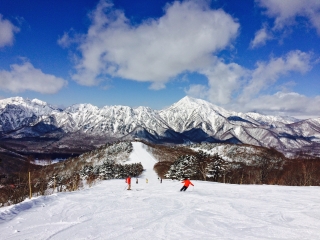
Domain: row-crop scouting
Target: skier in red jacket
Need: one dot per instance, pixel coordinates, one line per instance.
(128, 181)
(186, 182)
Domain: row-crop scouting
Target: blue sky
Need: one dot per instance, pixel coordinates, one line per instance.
(260, 55)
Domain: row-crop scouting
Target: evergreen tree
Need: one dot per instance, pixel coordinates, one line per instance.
(217, 167)
(184, 166)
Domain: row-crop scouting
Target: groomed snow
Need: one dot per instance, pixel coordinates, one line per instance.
(159, 211)
(139, 154)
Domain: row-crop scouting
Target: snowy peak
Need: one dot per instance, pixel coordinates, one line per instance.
(35, 106)
(188, 120)
(186, 102)
(189, 103)
(190, 113)
(81, 107)
(271, 120)
(17, 112)
(12, 100)
(38, 102)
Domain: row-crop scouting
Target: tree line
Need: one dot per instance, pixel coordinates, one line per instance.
(268, 166)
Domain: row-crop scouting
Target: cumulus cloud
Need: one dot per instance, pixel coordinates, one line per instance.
(285, 12)
(267, 73)
(7, 31)
(230, 82)
(69, 38)
(223, 81)
(234, 87)
(281, 103)
(197, 91)
(261, 37)
(25, 77)
(185, 38)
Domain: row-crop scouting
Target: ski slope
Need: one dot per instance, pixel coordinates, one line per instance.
(139, 154)
(159, 211)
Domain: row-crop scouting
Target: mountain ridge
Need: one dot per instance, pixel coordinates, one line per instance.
(186, 121)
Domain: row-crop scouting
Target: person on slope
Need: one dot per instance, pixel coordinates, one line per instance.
(128, 181)
(186, 184)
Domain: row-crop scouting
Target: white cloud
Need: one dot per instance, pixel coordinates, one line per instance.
(25, 77)
(231, 82)
(223, 81)
(68, 38)
(289, 104)
(261, 37)
(197, 91)
(285, 12)
(7, 31)
(268, 73)
(234, 87)
(65, 40)
(183, 39)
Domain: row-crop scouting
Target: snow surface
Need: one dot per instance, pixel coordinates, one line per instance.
(139, 154)
(159, 211)
(45, 162)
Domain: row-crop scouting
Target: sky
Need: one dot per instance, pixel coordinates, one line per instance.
(247, 56)
(154, 210)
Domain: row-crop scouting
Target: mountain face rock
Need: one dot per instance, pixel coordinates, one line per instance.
(189, 120)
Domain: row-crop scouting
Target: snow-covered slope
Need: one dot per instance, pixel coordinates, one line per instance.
(140, 155)
(188, 120)
(157, 210)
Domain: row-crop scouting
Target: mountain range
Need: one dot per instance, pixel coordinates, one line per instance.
(189, 120)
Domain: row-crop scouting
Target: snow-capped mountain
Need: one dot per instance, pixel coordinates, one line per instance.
(17, 112)
(188, 120)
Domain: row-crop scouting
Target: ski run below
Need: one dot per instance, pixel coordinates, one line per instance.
(157, 210)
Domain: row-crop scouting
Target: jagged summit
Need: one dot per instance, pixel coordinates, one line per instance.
(12, 100)
(39, 102)
(19, 101)
(190, 102)
(193, 104)
(81, 107)
(188, 120)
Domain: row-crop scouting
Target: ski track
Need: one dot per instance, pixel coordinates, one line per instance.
(159, 211)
